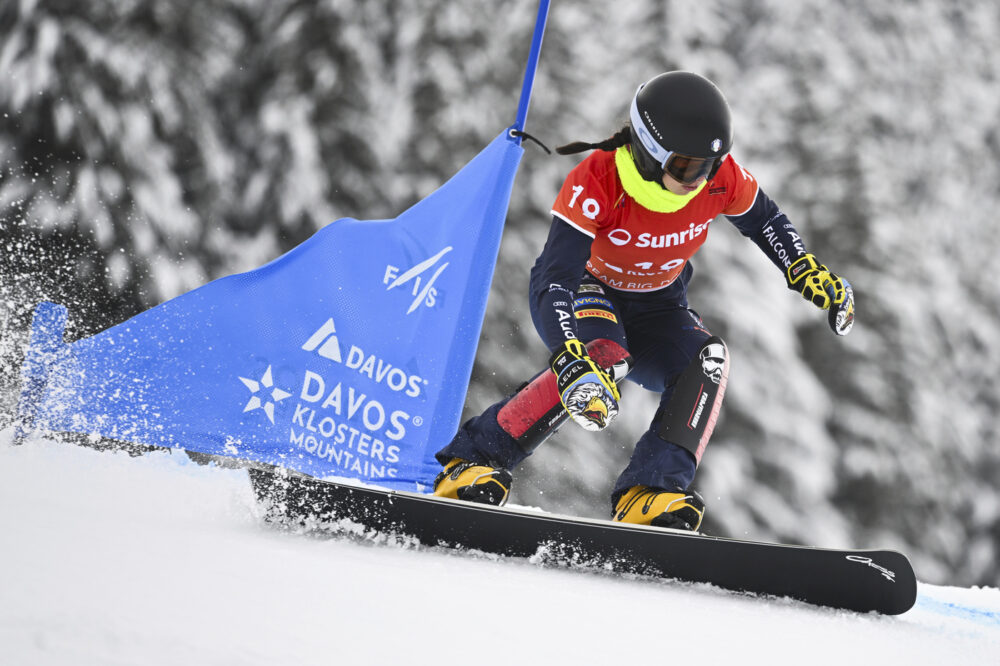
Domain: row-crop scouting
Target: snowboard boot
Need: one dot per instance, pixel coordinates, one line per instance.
(679, 510)
(473, 482)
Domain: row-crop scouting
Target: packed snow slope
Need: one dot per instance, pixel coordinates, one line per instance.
(110, 559)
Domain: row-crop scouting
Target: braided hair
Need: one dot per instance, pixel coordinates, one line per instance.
(620, 138)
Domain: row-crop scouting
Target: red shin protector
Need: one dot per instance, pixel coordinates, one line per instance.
(535, 412)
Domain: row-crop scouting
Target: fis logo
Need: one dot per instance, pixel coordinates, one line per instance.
(421, 279)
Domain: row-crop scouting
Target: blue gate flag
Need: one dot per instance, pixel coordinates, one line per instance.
(347, 357)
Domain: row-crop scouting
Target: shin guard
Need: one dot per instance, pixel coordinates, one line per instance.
(688, 419)
(535, 412)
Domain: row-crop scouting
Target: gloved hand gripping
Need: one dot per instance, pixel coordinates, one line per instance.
(588, 393)
(824, 290)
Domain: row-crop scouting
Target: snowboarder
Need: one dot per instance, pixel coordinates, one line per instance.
(608, 297)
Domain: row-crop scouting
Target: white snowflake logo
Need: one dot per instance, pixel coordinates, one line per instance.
(255, 386)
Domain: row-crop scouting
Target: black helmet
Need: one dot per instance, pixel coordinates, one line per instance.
(681, 125)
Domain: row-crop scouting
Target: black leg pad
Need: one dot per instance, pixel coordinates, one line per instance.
(689, 418)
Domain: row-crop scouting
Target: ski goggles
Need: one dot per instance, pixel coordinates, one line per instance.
(682, 168)
(690, 170)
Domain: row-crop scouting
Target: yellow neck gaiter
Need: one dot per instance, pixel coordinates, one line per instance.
(648, 194)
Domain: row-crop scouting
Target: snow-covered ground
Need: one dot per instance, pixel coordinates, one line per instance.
(107, 559)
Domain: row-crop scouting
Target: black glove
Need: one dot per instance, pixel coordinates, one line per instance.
(587, 392)
(824, 290)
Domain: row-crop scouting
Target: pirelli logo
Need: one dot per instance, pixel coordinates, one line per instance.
(603, 314)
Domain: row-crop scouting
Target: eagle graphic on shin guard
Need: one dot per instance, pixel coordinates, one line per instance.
(589, 405)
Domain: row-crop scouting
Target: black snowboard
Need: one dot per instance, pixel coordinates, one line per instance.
(857, 580)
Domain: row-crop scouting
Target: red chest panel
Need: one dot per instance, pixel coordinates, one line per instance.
(634, 248)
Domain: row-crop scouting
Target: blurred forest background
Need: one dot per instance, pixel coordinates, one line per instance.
(148, 146)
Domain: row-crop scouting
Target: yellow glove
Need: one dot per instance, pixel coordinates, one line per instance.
(824, 290)
(587, 392)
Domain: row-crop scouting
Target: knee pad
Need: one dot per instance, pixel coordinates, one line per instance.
(535, 412)
(688, 419)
